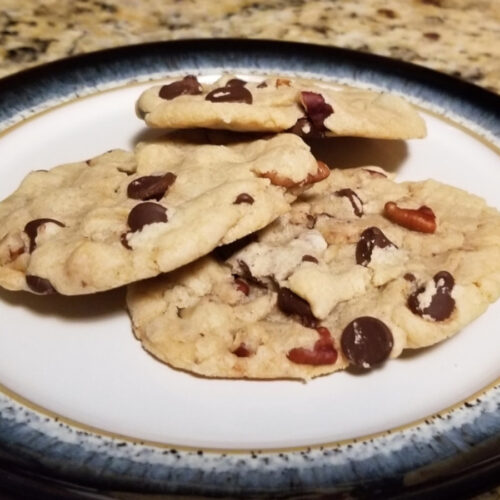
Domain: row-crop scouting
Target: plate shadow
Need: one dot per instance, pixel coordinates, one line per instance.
(349, 152)
(70, 307)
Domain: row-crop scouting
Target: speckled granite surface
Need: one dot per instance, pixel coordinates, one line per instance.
(459, 37)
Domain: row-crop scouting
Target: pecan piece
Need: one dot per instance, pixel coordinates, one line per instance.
(422, 219)
(323, 352)
(242, 351)
(282, 82)
(278, 180)
(242, 286)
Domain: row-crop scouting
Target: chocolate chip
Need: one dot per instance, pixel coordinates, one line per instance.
(235, 82)
(357, 204)
(317, 110)
(370, 238)
(304, 128)
(189, 85)
(409, 277)
(223, 252)
(124, 241)
(243, 198)
(366, 341)
(146, 213)
(31, 229)
(246, 273)
(262, 85)
(236, 93)
(150, 187)
(441, 304)
(40, 285)
(309, 258)
(293, 305)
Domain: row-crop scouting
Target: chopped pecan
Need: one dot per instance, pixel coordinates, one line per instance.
(282, 81)
(422, 219)
(323, 352)
(242, 351)
(242, 286)
(278, 180)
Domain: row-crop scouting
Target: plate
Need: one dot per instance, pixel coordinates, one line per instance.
(82, 402)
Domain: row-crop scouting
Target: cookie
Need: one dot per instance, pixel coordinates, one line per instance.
(120, 217)
(360, 269)
(305, 107)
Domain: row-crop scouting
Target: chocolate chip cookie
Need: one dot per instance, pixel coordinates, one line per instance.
(277, 104)
(360, 269)
(120, 217)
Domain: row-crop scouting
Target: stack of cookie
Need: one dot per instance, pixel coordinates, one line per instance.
(244, 255)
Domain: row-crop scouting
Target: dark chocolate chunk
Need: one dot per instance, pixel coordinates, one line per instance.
(409, 277)
(317, 110)
(366, 341)
(223, 252)
(146, 213)
(189, 85)
(150, 187)
(441, 303)
(243, 198)
(355, 200)
(235, 82)
(39, 285)
(246, 273)
(236, 93)
(304, 128)
(31, 229)
(370, 238)
(309, 258)
(262, 85)
(124, 241)
(293, 305)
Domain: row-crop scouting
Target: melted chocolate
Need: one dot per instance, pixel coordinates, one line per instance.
(355, 200)
(441, 304)
(293, 305)
(189, 85)
(370, 238)
(31, 229)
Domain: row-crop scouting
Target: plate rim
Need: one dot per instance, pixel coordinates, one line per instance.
(484, 103)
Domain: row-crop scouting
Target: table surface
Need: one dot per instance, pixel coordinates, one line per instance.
(458, 37)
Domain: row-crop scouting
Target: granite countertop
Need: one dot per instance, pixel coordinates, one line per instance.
(458, 37)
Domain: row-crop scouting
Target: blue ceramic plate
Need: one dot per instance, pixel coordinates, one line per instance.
(83, 405)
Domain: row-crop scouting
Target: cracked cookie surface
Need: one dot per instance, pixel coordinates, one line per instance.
(332, 283)
(122, 216)
(277, 104)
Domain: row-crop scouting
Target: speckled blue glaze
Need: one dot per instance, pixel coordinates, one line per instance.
(387, 462)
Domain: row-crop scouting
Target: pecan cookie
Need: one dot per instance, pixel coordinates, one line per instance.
(95, 225)
(307, 108)
(342, 279)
